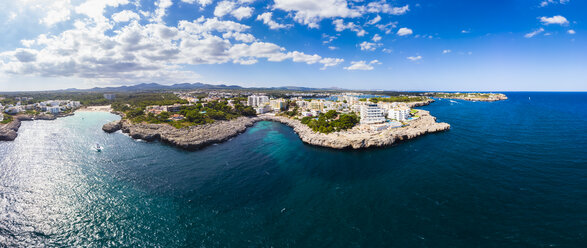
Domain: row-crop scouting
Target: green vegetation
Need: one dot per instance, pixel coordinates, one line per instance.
(128, 101)
(331, 121)
(7, 119)
(399, 99)
(291, 113)
(198, 114)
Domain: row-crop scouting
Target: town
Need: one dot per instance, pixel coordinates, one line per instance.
(372, 112)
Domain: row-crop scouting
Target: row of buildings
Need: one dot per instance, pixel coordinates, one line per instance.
(51, 106)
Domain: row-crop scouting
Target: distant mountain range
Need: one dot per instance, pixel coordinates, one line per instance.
(188, 86)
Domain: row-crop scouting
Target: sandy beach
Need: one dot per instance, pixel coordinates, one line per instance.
(106, 108)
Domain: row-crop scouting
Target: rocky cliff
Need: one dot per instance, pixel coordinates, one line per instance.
(199, 136)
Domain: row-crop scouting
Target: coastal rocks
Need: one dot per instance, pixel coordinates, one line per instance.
(190, 138)
(112, 127)
(420, 104)
(196, 137)
(8, 132)
(357, 139)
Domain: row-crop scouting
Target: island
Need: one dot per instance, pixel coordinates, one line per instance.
(482, 97)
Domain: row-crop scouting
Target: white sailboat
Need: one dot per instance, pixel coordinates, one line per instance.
(98, 148)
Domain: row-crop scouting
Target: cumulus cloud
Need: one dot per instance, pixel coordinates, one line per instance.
(404, 31)
(267, 19)
(92, 49)
(446, 51)
(57, 12)
(340, 26)
(376, 38)
(362, 65)
(369, 46)
(310, 12)
(571, 31)
(125, 16)
(561, 20)
(534, 33)
(383, 7)
(414, 58)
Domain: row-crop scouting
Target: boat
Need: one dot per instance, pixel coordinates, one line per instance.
(98, 148)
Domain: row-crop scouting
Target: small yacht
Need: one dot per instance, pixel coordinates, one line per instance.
(98, 147)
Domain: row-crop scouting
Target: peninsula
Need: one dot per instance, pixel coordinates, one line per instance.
(482, 97)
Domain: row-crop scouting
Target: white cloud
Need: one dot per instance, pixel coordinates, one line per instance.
(95, 8)
(362, 65)
(561, 20)
(135, 51)
(376, 38)
(57, 12)
(465, 31)
(161, 11)
(242, 12)
(446, 51)
(571, 31)
(223, 8)
(267, 19)
(374, 20)
(534, 33)
(125, 16)
(387, 28)
(382, 7)
(328, 62)
(310, 12)
(404, 31)
(340, 26)
(414, 58)
(332, 47)
(369, 46)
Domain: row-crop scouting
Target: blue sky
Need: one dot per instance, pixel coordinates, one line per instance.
(358, 44)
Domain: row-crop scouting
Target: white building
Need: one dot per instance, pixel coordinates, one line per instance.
(371, 114)
(263, 109)
(54, 110)
(256, 101)
(399, 113)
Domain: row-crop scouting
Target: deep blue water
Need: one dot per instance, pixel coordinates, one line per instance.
(508, 174)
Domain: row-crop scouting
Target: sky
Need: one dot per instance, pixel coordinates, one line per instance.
(452, 45)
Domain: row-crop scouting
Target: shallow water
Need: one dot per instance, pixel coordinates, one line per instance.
(507, 174)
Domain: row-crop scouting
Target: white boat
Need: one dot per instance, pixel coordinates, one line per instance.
(98, 148)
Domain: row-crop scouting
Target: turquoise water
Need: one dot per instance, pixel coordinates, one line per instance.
(508, 174)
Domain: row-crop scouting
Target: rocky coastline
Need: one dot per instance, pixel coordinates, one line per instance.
(9, 131)
(197, 137)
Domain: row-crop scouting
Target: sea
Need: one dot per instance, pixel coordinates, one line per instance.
(507, 174)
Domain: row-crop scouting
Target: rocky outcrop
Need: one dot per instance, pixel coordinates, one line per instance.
(420, 104)
(196, 137)
(112, 127)
(8, 132)
(190, 138)
(358, 138)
